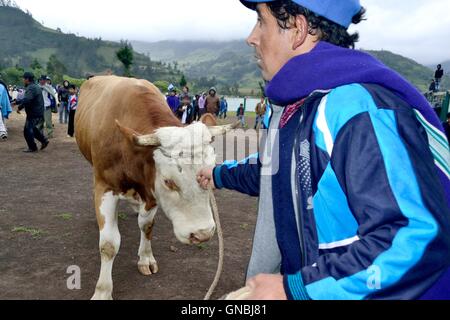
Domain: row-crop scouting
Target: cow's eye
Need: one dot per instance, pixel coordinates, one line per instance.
(171, 185)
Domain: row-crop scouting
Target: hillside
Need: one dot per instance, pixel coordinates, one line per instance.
(232, 62)
(23, 40)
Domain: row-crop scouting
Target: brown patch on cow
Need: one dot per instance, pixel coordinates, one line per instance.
(138, 106)
(108, 251)
(148, 230)
(209, 120)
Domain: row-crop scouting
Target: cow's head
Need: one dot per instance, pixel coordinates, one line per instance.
(179, 155)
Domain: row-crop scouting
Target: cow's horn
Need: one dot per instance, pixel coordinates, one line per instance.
(148, 140)
(223, 130)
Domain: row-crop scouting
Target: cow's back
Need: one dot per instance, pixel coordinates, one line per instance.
(136, 104)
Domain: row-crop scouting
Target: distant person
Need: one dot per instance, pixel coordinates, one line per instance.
(240, 113)
(438, 75)
(185, 110)
(33, 103)
(185, 92)
(63, 95)
(223, 108)
(446, 125)
(5, 110)
(260, 111)
(73, 104)
(202, 104)
(432, 87)
(50, 96)
(172, 100)
(212, 102)
(195, 108)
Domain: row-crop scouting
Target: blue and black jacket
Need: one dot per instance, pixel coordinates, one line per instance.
(359, 207)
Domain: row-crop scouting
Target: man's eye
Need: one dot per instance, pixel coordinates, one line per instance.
(172, 185)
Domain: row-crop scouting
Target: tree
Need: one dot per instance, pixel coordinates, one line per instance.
(126, 55)
(56, 69)
(183, 81)
(35, 64)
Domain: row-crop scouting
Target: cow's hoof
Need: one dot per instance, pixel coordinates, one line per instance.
(102, 296)
(148, 270)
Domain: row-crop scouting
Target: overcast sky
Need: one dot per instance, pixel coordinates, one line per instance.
(419, 29)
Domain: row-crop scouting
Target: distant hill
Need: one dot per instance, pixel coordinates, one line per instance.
(23, 40)
(232, 62)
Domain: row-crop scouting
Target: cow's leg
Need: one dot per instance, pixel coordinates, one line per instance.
(106, 209)
(147, 264)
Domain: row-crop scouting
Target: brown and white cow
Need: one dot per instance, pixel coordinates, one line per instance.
(140, 152)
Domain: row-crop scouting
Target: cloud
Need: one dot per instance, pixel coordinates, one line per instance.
(414, 28)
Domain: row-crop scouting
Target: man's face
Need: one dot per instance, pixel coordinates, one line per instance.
(42, 82)
(26, 82)
(273, 45)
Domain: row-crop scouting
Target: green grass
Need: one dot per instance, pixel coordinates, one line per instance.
(202, 246)
(35, 233)
(65, 216)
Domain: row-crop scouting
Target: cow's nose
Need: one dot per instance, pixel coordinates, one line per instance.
(201, 236)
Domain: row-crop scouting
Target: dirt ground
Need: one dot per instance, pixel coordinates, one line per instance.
(47, 224)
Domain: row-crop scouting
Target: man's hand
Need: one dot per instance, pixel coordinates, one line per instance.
(266, 287)
(205, 178)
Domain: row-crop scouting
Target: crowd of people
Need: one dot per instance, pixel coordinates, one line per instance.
(40, 100)
(191, 108)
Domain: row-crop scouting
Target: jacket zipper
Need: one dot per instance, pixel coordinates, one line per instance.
(297, 198)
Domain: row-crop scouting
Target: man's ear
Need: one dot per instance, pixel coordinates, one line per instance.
(300, 31)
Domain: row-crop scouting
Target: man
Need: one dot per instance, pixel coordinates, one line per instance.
(432, 87)
(260, 111)
(446, 125)
(240, 113)
(63, 97)
(33, 103)
(5, 110)
(356, 204)
(48, 93)
(172, 100)
(212, 103)
(438, 76)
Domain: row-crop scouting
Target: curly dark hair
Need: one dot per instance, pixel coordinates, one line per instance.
(286, 10)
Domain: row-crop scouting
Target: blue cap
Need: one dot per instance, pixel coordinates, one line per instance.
(338, 11)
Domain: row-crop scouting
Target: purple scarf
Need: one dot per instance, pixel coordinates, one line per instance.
(328, 66)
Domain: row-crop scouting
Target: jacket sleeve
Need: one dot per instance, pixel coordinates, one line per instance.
(27, 99)
(383, 163)
(243, 176)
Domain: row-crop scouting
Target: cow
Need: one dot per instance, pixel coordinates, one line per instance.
(140, 152)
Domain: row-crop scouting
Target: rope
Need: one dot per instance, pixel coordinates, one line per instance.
(221, 246)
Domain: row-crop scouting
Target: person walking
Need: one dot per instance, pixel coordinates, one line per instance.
(212, 104)
(240, 114)
(354, 191)
(260, 111)
(73, 104)
(438, 75)
(223, 108)
(33, 103)
(63, 97)
(5, 110)
(48, 94)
